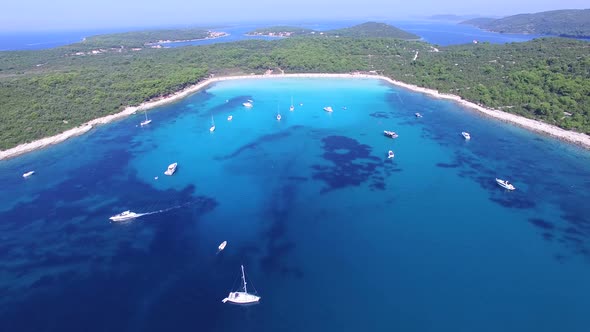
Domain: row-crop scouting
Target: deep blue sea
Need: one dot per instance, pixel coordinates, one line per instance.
(333, 235)
(435, 32)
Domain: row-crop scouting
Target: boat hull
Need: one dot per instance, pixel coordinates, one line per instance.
(241, 298)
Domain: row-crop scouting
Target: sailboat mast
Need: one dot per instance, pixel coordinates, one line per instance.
(244, 279)
(145, 112)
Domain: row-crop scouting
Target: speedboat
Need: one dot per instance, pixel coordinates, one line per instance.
(222, 245)
(242, 297)
(466, 135)
(292, 108)
(247, 104)
(390, 134)
(278, 117)
(390, 154)
(27, 174)
(229, 118)
(212, 128)
(328, 109)
(505, 184)
(126, 215)
(418, 115)
(171, 169)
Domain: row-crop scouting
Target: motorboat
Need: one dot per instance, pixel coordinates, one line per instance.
(390, 134)
(418, 115)
(278, 117)
(505, 184)
(328, 109)
(222, 245)
(242, 297)
(171, 169)
(390, 154)
(229, 118)
(247, 104)
(126, 215)
(291, 108)
(466, 135)
(27, 174)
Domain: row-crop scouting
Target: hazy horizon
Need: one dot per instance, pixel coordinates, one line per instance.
(110, 14)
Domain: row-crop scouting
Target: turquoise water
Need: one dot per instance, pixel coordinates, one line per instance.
(334, 236)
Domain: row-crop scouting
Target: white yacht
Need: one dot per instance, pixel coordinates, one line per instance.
(505, 184)
(292, 108)
(390, 154)
(229, 118)
(466, 135)
(146, 121)
(27, 174)
(222, 245)
(278, 117)
(328, 109)
(418, 115)
(126, 215)
(171, 169)
(247, 104)
(242, 297)
(390, 134)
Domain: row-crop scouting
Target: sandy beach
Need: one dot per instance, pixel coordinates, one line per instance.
(534, 125)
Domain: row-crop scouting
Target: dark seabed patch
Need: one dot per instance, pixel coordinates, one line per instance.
(351, 164)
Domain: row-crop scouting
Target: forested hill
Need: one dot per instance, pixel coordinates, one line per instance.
(373, 30)
(46, 92)
(141, 38)
(569, 22)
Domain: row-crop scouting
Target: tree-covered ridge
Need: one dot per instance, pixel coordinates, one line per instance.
(569, 22)
(141, 38)
(373, 30)
(281, 31)
(45, 92)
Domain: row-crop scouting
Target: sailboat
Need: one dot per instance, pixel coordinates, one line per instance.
(242, 297)
(212, 129)
(146, 121)
(292, 108)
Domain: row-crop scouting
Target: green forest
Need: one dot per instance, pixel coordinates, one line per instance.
(45, 92)
(567, 22)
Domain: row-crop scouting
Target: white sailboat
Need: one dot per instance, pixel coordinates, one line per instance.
(242, 297)
(146, 121)
(212, 129)
(292, 108)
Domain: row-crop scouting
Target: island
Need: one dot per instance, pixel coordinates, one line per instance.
(48, 92)
(566, 23)
(365, 30)
(281, 31)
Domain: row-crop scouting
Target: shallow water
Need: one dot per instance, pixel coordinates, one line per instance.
(333, 235)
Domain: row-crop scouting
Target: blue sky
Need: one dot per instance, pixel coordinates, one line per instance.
(36, 15)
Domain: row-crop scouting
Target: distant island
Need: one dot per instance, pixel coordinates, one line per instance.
(566, 23)
(138, 39)
(365, 30)
(47, 92)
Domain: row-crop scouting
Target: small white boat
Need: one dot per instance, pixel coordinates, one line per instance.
(146, 121)
(390, 154)
(505, 184)
(171, 169)
(418, 115)
(229, 118)
(126, 215)
(212, 128)
(328, 109)
(27, 174)
(466, 135)
(242, 297)
(222, 245)
(292, 108)
(390, 134)
(247, 104)
(278, 117)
